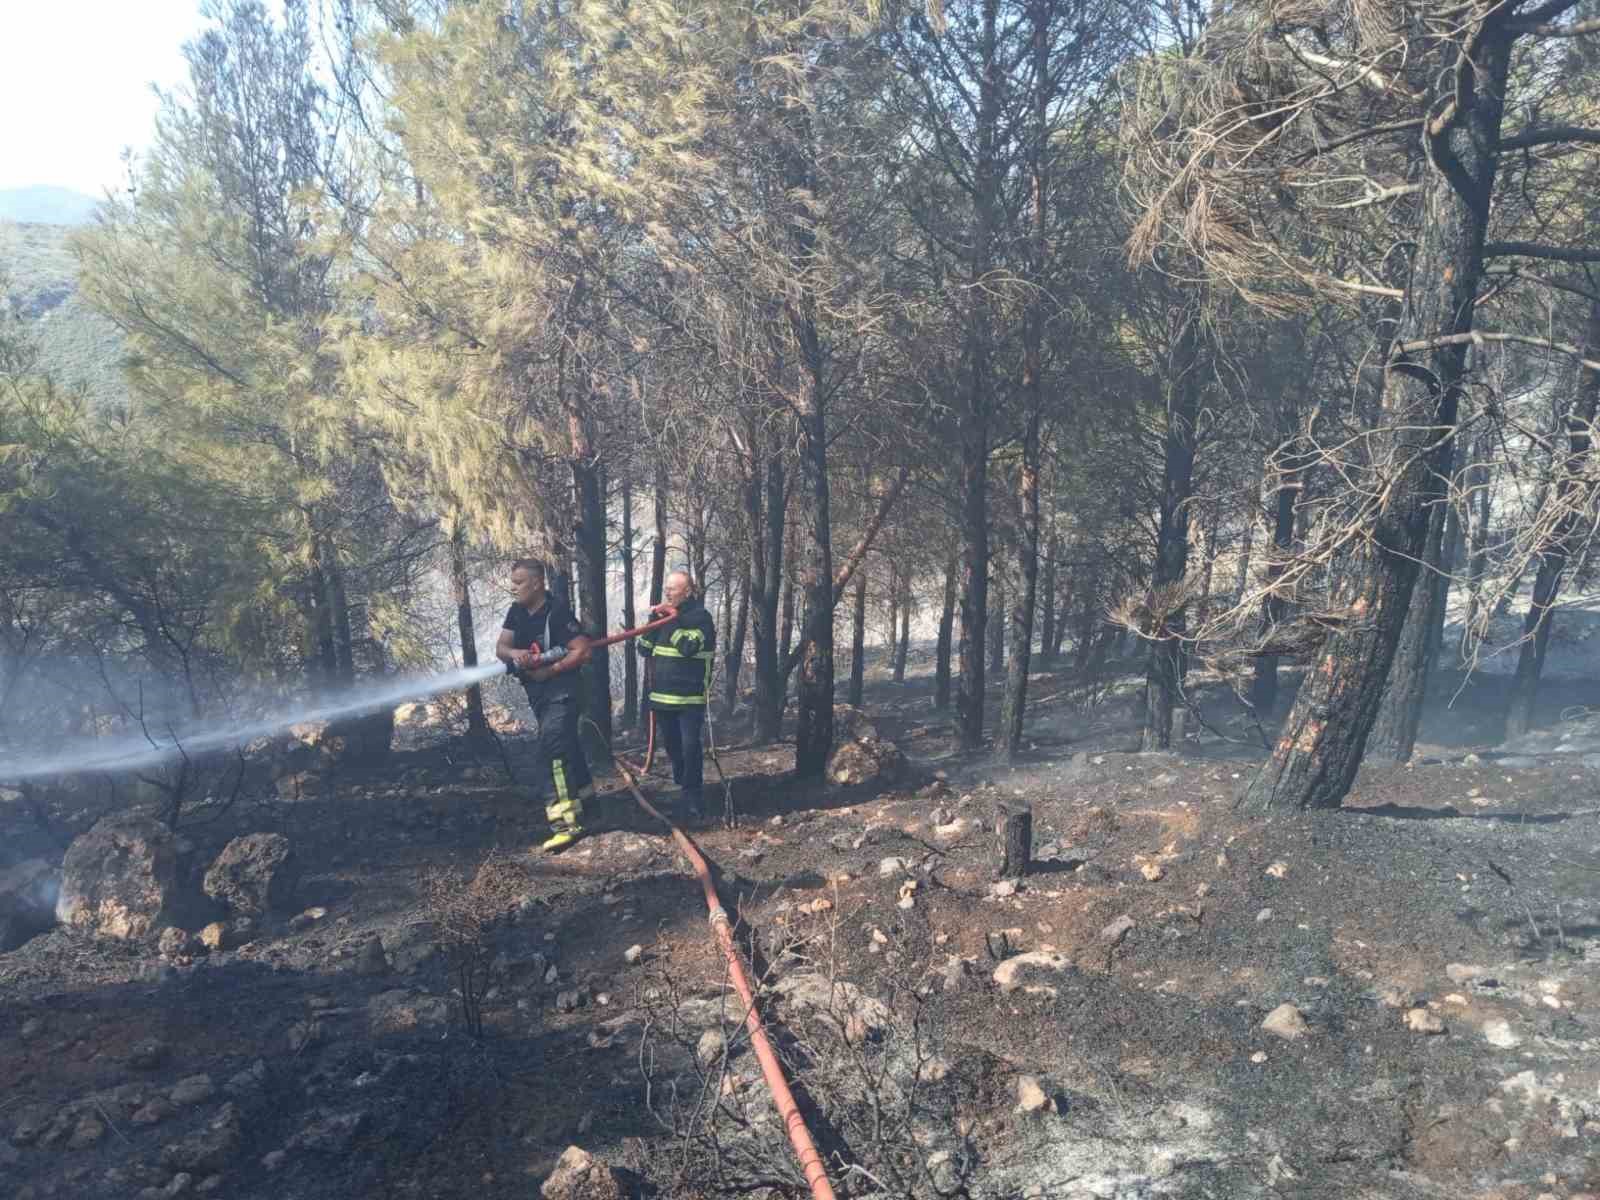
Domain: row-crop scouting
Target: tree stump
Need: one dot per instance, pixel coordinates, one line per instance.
(1013, 828)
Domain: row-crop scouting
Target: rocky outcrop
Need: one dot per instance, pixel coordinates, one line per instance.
(255, 874)
(119, 879)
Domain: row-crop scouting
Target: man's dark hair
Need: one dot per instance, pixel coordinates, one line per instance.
(531, 565)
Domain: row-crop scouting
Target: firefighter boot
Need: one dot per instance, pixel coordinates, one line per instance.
(566, 821)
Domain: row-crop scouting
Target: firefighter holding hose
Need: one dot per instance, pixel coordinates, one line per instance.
(543, 645)
(681, 654)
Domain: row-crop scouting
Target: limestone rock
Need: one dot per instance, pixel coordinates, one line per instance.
(1420, 1020)
(1031, 1097)
(119, 879)
(209, 1149)
(175, 943)
(1036, 972)
(1286, 1022)
(333, 1134)
(581, 1176)
(196, 1089)
(863, 754)
(400, 1011)
(254, 874)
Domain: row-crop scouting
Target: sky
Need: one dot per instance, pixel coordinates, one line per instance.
(75, 80)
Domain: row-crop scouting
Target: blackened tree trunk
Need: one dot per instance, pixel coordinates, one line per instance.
(974, 409)
(630, 616)
(1286, 469)
(1454, 537)
(765, 506)
(1163, 682)
(1572, 478)
(590, 544)
(997, 626)
(1325, 734)
(1049, 637)
(903, 645)
(658, 548)
(460, 586)
(1394, 731)
(733, 654)
(942, 644)
(788, 623)
(858, 642)
(339, 607)
(1013, 711)
(1480, 510)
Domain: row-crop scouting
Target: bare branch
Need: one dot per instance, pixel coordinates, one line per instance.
(1537, 250)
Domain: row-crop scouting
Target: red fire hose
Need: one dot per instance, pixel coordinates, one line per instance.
(805, 1149)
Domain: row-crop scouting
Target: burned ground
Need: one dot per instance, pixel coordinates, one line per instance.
(1439, 939)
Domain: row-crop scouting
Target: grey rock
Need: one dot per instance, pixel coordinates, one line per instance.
(119, 879)
(1031, 1096)
(333, 1134)
(148, 1053)
(249, 1082)
(1286, 1022)
(155, 1112)
(1114, 933)
(196, 1089)
(710, 1048)
(255, 874)
(372, 960)
(174, 943)
(1036, 973)
(581, 1176)
(400, 1011)
(211, 1148)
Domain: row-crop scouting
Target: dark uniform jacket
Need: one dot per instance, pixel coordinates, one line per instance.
(551, 625)
(682, 654)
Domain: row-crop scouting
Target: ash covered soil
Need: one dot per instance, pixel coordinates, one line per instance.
(1397, 999)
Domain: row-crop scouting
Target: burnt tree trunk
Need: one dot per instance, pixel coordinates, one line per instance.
(1394, 732)
(1571, 480)
(903, 645)
(733, 654)
(942, 643)
(765, 502)
(976, 403)
(1014, 707)
(858, 642)
(1325, 734)
(997, 626)
(1286, 469)
(1163, 679)
(590, 544)
(1013, 835)
(630, 615)
(658, 548)
(477, 723)
(1049, 640)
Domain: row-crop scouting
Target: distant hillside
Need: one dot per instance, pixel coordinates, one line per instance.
(46, 205)
(77, 347)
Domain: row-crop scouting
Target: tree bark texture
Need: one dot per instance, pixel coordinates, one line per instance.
(1013, 830)
(1325, 734)
(858, 643)
(974, 409)
(942, 645)
(477, 723)
(1572, 477)
(1394, 732)
(733, 654)
(590, 544)
(1163, 680)
(765, 504)
(630, 616)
